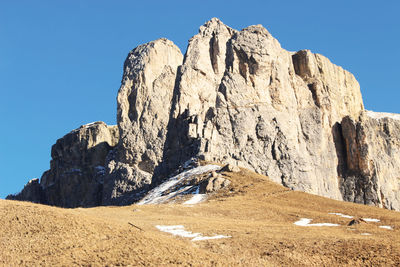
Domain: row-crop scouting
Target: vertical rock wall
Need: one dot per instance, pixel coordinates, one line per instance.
(372, 176)
(235, 97)
(77, 169)
(264, 108)
(144, 104)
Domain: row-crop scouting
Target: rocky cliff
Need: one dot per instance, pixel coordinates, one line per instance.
(372, 145)
(77, 169)
(237, 97)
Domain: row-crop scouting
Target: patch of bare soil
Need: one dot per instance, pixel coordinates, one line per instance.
(257, 213)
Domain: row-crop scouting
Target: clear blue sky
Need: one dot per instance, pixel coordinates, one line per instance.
(61, 61)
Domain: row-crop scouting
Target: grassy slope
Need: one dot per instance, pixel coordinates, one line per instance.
(257, 213)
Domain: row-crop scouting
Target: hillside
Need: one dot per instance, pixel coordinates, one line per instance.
(257, 214)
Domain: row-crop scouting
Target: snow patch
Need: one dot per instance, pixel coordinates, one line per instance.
(91, 123)
(341, 215)
(381, 115)
(197, 198)
(306, 222)
(365, 234)
(371, 220)
(179, 230)
(160, 194)
(386, 227)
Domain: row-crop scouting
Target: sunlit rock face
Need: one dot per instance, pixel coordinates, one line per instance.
(373, 160)
(144, 103)
(238, 97)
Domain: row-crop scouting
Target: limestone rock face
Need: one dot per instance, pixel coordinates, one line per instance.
(144, 103)
(373, 160)
(269, 110)
(239, 98)
(77, 168)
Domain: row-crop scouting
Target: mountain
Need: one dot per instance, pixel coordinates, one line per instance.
(235, 97)
(253, 222)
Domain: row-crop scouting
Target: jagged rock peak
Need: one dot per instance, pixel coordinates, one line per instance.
(236, 97)
(214, 26)
(258, 29)
(144, 103)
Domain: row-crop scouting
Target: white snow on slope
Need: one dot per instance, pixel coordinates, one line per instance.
(371, 220)
(179, 230)
(196, 198)
(386, 227)
(200, 238)
(341, 215)
(306, 222)
(365, 234)
(381, 115)
(159, 194)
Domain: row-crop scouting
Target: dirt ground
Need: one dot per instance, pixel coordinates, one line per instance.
(257, 213)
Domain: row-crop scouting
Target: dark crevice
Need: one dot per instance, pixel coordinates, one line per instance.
(340, 149)
(214, 52)
(313, 88)
(132, 114)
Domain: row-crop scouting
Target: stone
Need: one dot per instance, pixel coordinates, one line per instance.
(230, 168)
(372, 149)
(32, 192)
(238, 98)
(144, 102)
(213, 184)
(77, 168)
(354, 222)
(270, 110)
(214, 174)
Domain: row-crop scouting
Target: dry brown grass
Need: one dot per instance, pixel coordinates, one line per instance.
(257, 213)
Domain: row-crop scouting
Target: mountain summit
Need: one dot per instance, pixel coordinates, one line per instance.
(235, 97)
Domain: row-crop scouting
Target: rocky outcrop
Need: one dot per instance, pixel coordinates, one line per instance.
(373, 160)
(264, 108)
(213, 184)
(32, 192)
(77, 169)
(144, 101)
(235, 97)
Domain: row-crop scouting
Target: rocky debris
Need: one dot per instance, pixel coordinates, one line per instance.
(373, 160)
(237, 97)
(213, 184)
(230, 168)
(77, 168)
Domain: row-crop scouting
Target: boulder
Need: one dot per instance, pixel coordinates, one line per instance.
(230, 168)
(213, 184)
